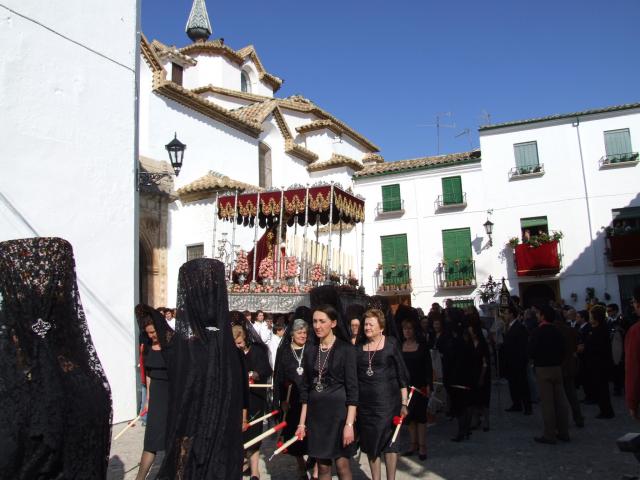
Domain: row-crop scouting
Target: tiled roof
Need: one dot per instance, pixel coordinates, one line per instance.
(336, 160)
(230, 93)
(250, 51)
(560, 116)
(372, 158)
(172, 53)
(388, 168)
(149, 54)
(319, 125)
(213, 181)
(299, 151)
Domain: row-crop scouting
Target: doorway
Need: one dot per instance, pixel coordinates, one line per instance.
(539, 293)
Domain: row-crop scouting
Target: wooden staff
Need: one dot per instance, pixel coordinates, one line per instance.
(131, 423)
(264, 417)
(399, 424)
(260, 385)
(264, 435)
(461, 387)
(284, 446)
(284, 417)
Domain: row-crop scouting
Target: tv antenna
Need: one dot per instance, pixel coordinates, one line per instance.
(466, 132)
(486, 117)
(439, 125)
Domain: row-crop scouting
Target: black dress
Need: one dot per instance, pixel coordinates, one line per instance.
(327, 409)
(420, 376)
(286, 377)
(156, 370)
(481, 394)
(257, 360)
(380, 398)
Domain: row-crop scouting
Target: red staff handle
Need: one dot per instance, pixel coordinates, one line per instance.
(264, 435)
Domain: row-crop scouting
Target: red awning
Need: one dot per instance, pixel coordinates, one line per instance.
(347, 207)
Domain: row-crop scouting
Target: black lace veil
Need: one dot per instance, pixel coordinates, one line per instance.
(55, 415)
(206, 378)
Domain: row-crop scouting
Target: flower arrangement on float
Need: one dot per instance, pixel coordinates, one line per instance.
(317, 273)
(291, 268)
(266, 270)
(242, 263)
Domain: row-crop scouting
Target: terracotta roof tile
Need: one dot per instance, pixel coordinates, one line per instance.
(335, 161)
(172, 53)
(421, 163)
(213, 181)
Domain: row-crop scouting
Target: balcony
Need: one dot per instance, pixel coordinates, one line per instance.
(623, 250)
(390, 209)
(451, 202)
(520, 173)
(456, 275)
(393, 279)
(619, 160)
(533, 261)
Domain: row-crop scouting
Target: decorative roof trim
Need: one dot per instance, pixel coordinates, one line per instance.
(172, 54)
(299, 151)
(561, 116)
(416, 164)
(335, 161)
(212, 182)
(373, 158)
(320, 125)
(272, 80)
(230, 93)
(149, 55)
(282, 124)
(189, 99)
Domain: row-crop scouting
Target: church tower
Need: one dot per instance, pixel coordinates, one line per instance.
(198, 26)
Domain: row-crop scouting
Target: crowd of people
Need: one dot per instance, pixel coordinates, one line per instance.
(344, 377)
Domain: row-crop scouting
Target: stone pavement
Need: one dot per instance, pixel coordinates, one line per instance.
(506, 452)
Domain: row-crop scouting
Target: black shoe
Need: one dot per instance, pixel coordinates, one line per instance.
(422, 457)
(544, 440)
(513, 408)
(563, 438)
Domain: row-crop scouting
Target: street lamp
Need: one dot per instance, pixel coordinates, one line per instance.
(175, 149)
(488, 227)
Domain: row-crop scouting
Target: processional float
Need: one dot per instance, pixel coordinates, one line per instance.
(268, 279)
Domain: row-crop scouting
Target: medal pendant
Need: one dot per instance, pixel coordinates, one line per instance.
(300, 370)
(319, 387)
(369, 372)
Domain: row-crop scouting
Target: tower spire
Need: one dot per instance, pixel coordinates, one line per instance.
(198, 26)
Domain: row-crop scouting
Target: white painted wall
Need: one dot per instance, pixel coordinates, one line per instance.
(69, 110)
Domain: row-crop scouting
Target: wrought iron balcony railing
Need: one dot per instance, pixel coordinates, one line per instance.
(391, 208)
(451, 201)
(456, 274)
(393, 277)
(526, 171)
(619, 160)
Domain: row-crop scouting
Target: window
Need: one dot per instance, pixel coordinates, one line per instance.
(458, 257)
(195, 251)
(264, 166)
(452, 191)
(532, 226)
(395, 259)
(617, 142)
(176, 73)
(391, 198)
(463, 303)
(626, 220)
(245, 82)
(526, 158)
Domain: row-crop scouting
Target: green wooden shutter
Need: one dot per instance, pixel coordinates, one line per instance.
(526, 155)
(458, 258)
(533, 222)
(451, 190)
(617, 142)
(395, 258)
(391, 198)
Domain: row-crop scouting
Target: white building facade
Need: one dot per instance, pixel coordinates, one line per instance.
(576, 174)
(67, 96)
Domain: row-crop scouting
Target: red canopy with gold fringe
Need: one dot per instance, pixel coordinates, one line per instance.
(347, 207)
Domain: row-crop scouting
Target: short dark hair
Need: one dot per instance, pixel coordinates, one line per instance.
(328, 310)
(599, 314)
(548, 312)
(613, 306)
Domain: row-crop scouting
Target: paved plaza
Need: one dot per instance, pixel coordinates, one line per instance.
(506, 452)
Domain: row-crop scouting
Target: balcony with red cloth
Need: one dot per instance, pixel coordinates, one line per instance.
(624, 249)
(543, 259)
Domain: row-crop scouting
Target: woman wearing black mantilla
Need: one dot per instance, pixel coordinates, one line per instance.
(382, 384)
(55, 416)
(329, 397)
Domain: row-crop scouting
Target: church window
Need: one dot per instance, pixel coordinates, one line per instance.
(245, 82)
(195, 251)
(264, 166)
(176, 73)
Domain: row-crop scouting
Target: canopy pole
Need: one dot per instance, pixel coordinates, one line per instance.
(255, 239)
(279, 234)
(304, 237)
(232, 256)
(340, 265)
(329, 253)
(315, 260)
(215, 225)
(362, 257)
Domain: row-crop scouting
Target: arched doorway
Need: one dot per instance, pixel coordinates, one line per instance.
(538, 293)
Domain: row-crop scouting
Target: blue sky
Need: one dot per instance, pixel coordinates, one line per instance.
(387, 68)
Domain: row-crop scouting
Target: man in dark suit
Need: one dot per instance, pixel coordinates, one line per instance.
(514, 350)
